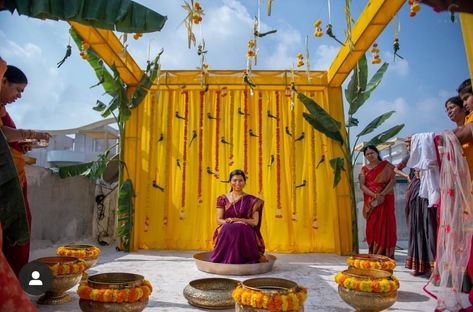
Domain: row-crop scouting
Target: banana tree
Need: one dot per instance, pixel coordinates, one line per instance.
(357, 93)
(120, 15)
(120, 106)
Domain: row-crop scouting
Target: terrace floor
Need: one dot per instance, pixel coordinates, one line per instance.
(170, 271)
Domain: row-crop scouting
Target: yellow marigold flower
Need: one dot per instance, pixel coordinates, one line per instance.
(265, 302)
(251, 44)
(317, 23)
(284, 302)
(197, 6)
(365, 286)
(93, 294)
(300, 56)
(85, 45)
(415, 7)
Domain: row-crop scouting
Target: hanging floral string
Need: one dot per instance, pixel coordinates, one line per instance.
(245, 132)
(293, 162)
(278, 158)
(194, 16)
(315, 223)
(217, 134)
(83, 51)
(300, 60)
(307, 57)
(124, 39)
(182, 214)
(348, 21)
(232, 122)
(201, 140)
(270, 3)
(375, 51)
(396, 45)
(319, 32)
(204, 67)
(260, 143)
(414, 7)
(168, 150)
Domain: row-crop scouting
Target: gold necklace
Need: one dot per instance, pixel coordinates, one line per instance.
(234, 206)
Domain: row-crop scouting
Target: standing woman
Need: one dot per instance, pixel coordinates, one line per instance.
(13, 84)
(237, 239)
(377, 180)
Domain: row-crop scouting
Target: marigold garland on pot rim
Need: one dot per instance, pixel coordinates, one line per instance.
(291, 300)
(77, 267)
(376, 285)
(134, 294)
(81, 253)
(378, 264)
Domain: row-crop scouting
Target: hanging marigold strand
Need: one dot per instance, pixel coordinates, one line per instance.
(217, 134)
(314, 182)
(293, 163)
(232, 115)
(201, 135)
(260, 143)
(278, 158)
(184, 156)
(168, 153)
(245, 137)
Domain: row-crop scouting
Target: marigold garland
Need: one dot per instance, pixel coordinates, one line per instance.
(77, 267)
(245, 137)
(232, 122)
(382, 285)
(371, 264)
(201, 135)
(291, 300)
(83, 253)
(278, 158)
(140, 293)
(184, 156)
(217, 134)
(260, 143)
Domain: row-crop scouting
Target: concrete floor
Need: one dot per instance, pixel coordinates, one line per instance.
(170, 271)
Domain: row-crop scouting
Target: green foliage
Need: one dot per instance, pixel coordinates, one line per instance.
(337, 166)
(125, 212)
(375, 123)
(92, 169)
(320, 119)
(385, 135)
(120, 15)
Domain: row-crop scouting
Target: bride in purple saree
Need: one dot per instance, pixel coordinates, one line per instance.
(237, 239)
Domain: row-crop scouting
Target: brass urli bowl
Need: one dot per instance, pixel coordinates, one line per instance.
(202, 260)
(367, 301)
(211, 293)
(89, 262)
(61, 283)
(115, 280)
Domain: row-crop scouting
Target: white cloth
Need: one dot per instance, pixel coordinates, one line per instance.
(424, 157)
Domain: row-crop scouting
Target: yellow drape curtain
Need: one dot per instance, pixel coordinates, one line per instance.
(182, 143)
(467, 30)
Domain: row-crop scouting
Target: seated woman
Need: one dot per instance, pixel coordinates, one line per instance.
(237, 239)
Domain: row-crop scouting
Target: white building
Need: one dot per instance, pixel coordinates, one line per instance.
(78, 145)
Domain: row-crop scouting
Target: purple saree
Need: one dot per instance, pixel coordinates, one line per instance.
(238, 243)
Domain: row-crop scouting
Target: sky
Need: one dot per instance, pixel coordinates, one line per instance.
(416, 88)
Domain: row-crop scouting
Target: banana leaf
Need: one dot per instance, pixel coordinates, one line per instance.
(92, 169)
(12, 205)
(125, 212)
(375, 123)
(386, 135)
(110, 85)
(120, 15)
(363, 95)
(320, 119)
(337, 166)
(358, 80)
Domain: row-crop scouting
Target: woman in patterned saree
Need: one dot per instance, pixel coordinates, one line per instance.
(237, 239)
(377, 183)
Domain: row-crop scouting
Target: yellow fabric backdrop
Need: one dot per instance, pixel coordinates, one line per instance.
(302, 212)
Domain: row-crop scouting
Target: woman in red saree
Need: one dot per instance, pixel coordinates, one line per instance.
(377, 183)
(237, 239)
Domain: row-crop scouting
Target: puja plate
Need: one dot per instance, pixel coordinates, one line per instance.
(202, 260)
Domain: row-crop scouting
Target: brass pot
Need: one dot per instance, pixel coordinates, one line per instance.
(268, 286)
(89, 261)
(95, 306)
(382, 260)
(366, 301)
(211, 293)
(115, 280)
(61, 283)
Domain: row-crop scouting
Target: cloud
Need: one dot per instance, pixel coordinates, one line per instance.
(399, 66)
(324, 56)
